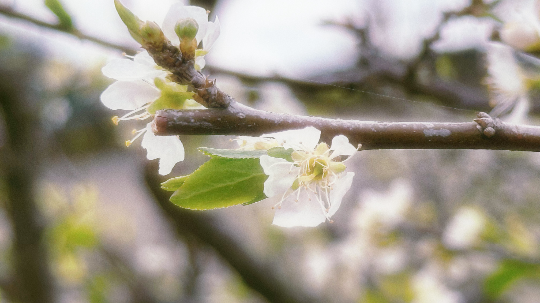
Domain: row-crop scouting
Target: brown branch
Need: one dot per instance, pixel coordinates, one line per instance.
(20, 165)
(238, 119)
(9, 12)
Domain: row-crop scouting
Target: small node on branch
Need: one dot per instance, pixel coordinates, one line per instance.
(211, 97)
(486, 124)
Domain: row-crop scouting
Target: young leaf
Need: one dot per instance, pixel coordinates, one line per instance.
(64, 19)
(280, 152)
(173, 96)
(174, 183)
(232, 153)
(222, 182)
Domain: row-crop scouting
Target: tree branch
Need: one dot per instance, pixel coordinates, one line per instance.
(484, 133)
(9, 12)
(20, 167)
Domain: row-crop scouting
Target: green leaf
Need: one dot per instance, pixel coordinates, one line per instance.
(64, 20)
(280, 152)
(222, 182)
(232, 153)
(173, 96)
(174, 183)
(508, 273)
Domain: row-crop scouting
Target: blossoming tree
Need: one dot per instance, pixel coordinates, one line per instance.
(425, 226)
(306, 177)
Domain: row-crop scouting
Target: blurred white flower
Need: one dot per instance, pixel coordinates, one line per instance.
(312, 186)
(464, 229)
(523, 30)
(207, 34)
(383, 211)
(507, 83)
(429, 287)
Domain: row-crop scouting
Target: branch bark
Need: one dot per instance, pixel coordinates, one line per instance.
(9, 12)
(237, 119)
(20, 168)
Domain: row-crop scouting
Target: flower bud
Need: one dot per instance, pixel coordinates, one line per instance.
(151, 33)
(132, 22)
(186, 29)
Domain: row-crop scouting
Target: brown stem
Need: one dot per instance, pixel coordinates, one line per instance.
(242, 120)
(8, 11)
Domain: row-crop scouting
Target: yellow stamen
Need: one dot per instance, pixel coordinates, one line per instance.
(115, 120)
(128, 143)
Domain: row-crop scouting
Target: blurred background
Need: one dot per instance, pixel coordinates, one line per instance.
(82, 217)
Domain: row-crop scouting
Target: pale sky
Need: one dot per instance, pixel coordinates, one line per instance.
(258, 37)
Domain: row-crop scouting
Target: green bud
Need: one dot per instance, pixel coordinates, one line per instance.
(132, 22)
(151, 33)
(186, 29)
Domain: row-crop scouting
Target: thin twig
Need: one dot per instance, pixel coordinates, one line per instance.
(9, 12)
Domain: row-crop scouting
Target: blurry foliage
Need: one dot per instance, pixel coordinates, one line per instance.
(64, 19)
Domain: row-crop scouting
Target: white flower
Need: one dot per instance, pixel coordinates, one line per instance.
(522, 31)
(464, 229)
(208, 31)
(135, 91)
(312, 186)
(507, 83)
(168, 149)
(134, 87)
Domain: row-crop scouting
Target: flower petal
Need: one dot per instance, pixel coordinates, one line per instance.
(281, 175)
(200, 62)
(129, 70)
(339, 190)
(179, 11)
(144, 58)
(212, 33)
(341, 146)
(298, 139)
(128, 95)
(304, 212)
(168, 149)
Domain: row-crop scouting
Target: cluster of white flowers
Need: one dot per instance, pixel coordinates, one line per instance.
(135, 88)
(311, 187)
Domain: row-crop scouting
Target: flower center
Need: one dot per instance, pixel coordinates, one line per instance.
(316, 167)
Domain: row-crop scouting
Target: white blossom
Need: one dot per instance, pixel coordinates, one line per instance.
(134, 87)
(522, 30)
(507, 83)
(311, 187)
(134, 90)
(207, 34)
(168, 149)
